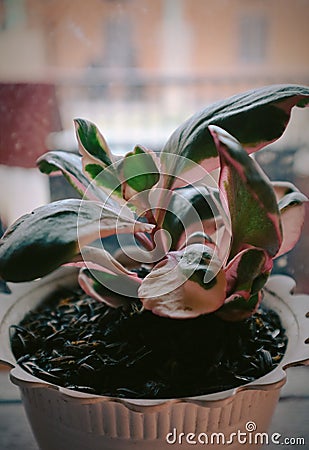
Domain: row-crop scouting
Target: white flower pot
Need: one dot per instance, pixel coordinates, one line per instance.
(62, 419)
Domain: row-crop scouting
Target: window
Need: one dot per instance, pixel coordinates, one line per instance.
(118, 36)
(253, 32)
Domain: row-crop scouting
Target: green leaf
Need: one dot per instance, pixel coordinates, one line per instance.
(38, 243)
(140, 171)
(250, 196)
(255, 118)
(71, 167)
(97, 160)
(191, 209)
(104, 177)
(91, 141)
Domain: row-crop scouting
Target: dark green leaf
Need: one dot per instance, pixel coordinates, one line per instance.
(39, 242)
(255, 118)
(71, 167)
(189, 206)
(51, 235)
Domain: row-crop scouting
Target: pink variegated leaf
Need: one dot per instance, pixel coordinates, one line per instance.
(256, 118)
(252, 204)
(292, 213)
(292, 219)
(283, 188)
(185, 284)
(115, 290)
(193, 173)
(198, 237)
(101, 273)
(206, 227)
(99, 258)
(132, 256)
(245, 274)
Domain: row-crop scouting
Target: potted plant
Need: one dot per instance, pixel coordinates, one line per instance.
(161, 318)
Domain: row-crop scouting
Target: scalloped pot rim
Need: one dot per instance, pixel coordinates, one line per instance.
(293, 311)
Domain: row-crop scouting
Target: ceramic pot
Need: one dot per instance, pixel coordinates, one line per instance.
(62, 418)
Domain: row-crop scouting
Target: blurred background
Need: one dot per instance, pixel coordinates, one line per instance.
(138, 68)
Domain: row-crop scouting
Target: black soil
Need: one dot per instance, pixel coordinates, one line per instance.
(84, 345)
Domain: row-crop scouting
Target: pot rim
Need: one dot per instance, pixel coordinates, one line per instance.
(278, 295)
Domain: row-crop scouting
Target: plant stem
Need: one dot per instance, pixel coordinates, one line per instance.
(144, 240)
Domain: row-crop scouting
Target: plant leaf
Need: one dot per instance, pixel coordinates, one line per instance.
(102, 259)
(250, 196)
(139, 169)
(97, 159)
(282, 188)
(185, 284)
(4, 288)
(38, 243)
(71, 167)
(91, 142)
(198, 238)
(256, 118)
(292, 212)
(113, 290)
(106, 177)
(238, 308)
(191, 209)
(247, 273)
